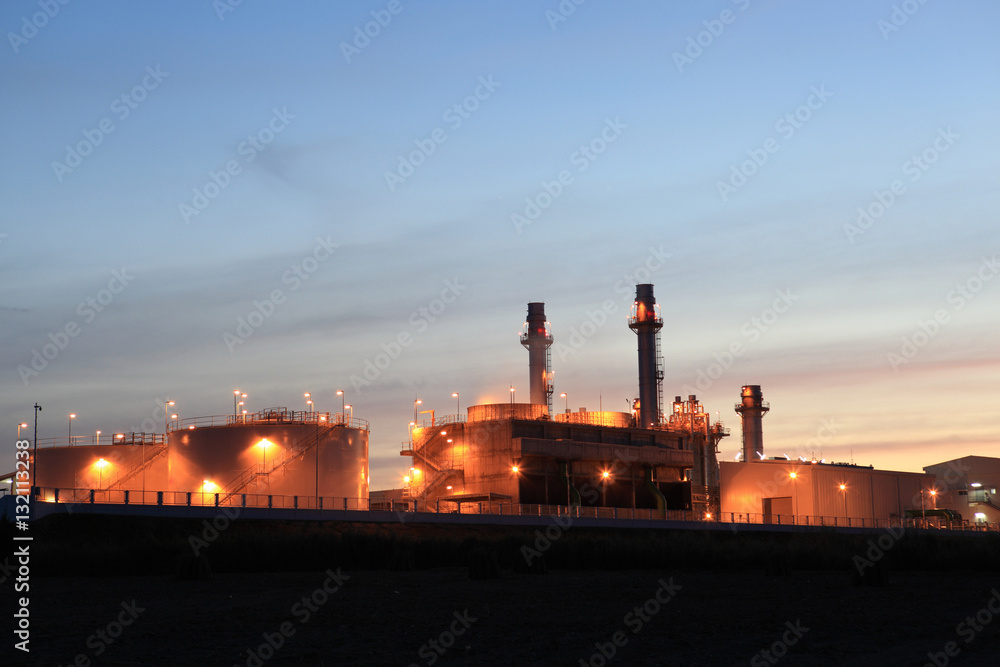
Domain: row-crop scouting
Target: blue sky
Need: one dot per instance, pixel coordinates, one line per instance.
(836, 102)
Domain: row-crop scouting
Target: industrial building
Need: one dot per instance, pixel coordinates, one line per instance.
(242, 459)
(523, 453)
(968, 486)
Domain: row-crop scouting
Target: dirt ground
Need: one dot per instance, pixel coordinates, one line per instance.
(559, 618)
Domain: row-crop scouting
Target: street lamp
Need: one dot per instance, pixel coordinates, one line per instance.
(416, 402)
(795, 495)
(340, 392)
(309, 402)
(100, 474)
(236, 397)
(351, 408)
(512, 394)
(458, 405)
(97, 437)
(166, 404)
(19, 427)
(563, 395)
(843, 490)
(605, 479)
(72, 416)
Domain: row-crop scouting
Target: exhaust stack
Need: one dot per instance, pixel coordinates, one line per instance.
(535, 336)
(752, 409)
(646, 323)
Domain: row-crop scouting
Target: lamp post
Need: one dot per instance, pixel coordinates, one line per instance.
(100, 473)
(795, 514)
(351, 408)
(340, 392)
(236, 406)
(69, 433)
(563, 395)
(19, 427)
(458, 404)
(416, 402)
(166, 413)
(34, 448)
(843, 491)
(97, 437)
(309, 402)
(605, 478)
(512, 394)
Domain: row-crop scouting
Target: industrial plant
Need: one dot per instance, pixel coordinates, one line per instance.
(654, 461)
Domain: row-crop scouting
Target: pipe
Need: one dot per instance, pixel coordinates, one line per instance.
(536, 338)
(752, 409)
(661, 502)
(573, 496)
(645, 323)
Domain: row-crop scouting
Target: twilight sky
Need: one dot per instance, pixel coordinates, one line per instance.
(199, 197)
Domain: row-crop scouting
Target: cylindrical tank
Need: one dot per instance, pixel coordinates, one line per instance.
(752, 409)
(645, 323)
(220, 459)
(500, 411)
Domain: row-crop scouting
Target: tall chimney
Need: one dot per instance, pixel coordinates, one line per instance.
(645, 323)
(752, 409)
(536, 338)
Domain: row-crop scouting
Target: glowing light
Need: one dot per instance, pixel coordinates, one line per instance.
(406, 479)
(933, 492)
(448, 487)
(101, 463)
(708, 515)
(514, 468)
(975, 485)
(843, 487)
(416, 472)
(208, 486)
(444, 432)
(605, 474)
(980, 516)
(793, 475)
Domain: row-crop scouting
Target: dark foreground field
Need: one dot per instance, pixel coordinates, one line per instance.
(386, 605)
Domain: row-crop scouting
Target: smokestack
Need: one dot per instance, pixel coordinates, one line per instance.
(536, 338)
(752, 409)
(646, 324)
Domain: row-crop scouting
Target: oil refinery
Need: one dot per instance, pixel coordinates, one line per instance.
(654, 461)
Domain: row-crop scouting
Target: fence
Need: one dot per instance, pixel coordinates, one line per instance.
(307, 502)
